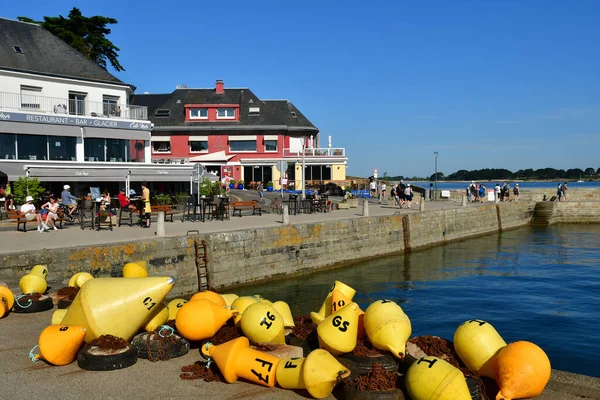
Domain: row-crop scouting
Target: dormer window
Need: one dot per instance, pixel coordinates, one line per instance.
(225, 113)
(199, 113)
(162, 112)
(18, 49)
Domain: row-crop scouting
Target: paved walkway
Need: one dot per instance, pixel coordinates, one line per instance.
(72, 236)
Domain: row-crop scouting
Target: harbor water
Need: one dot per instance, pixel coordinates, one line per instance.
(535, 284)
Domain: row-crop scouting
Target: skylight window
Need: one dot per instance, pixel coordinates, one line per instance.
(18, 49)
(161, 112)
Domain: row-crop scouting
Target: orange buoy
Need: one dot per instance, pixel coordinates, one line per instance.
(522, 370)
(9, 296)
(201, 319)
(236, 359)
(59, 344)
(209, 295)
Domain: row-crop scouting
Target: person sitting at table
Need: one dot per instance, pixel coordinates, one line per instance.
(124, 200)
(52, 211)
(28, 210)
(105, 201)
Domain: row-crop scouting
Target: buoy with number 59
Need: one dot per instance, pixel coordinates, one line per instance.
(174, 306)
(337, 333)
(236, 359)
(59, 344)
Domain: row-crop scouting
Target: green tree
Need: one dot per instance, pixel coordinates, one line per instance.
(24, 187)
(590, 171)
(87, 35)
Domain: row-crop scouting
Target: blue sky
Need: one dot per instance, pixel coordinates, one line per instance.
(487, 84)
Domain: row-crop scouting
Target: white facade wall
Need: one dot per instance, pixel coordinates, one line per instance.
(59, 87)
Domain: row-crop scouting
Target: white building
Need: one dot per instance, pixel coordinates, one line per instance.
(65, 119)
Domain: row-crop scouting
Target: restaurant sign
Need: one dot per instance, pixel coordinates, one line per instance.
(76, 121)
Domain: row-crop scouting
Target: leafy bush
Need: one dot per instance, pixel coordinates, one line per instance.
(270, 183)
(182, 198)
(24, 187)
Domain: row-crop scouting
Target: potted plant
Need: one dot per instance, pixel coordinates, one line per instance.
(240, 184)
(232, 184)
(269, 186)
(352, 201)
(205, 187)
(343, 205)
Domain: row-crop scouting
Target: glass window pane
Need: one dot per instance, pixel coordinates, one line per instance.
(225, 112)
(198, 146)
(199, 113)
(137, 151)
(327, 172)
(270, 145)
(161, 147)
(7, 146)
(116, 149)
(62, 148)
(32, 147)
(93, 149)
(242, 145)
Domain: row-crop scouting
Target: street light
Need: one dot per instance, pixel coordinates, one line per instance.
(435, 155)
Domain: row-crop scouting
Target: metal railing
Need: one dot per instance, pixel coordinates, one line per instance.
(74, 106)
(315, 152)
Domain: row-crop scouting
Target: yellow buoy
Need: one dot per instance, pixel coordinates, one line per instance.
(201, 319)
(229, 298)
(82, 278)
(40, 270)
(477, 343)
(318, 373)
(209, 295)
(236, 359)
(522, 371)
(316, 317)
(284, 310)
(33, 284)
(174, 306)
(325, 309)
(262, 299)
(58, 315)
(431, 378)
(74, 279)
(135, 270)
(339, 300)
(387, 327)
(240, 304)
(261, 323)
(59, 344)
(337, 333)
(159, 316)
(9, 296)
(117, 306)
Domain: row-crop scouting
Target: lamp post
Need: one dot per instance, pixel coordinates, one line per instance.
(435, 155)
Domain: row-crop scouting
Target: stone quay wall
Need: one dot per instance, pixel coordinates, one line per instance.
(573, 194)
(252, 255)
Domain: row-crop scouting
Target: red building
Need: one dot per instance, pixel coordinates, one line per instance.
(235, 134)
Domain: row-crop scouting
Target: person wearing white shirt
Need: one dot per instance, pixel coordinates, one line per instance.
(28, 210)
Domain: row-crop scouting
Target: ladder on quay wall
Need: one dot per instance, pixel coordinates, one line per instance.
(201, 259)
(543, 213)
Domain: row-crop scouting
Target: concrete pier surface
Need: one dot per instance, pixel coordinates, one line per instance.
(160, 380)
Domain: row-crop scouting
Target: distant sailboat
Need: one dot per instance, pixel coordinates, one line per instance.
(580, 180)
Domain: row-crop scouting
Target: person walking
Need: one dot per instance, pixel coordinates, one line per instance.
(482, 191)
(9, 199)
(147, 208)
(400, 190)
(408, 195)
(564, 189)
(259, 189)
(497, 192)
(373, 187)
(516, 192)
(559, 192)
(383, 191)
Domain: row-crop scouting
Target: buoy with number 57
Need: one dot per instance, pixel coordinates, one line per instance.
(236, 359)
(337, 333)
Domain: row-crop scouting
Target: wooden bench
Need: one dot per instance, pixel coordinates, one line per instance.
(167, 209)
(18, 218)
(253, 205)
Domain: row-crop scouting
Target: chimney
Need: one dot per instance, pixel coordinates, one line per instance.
(219, 87)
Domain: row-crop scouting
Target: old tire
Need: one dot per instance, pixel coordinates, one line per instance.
(300, 342)
(28, 306)
(92, 358)
(474, 388)
(179, 348)
(363, 364)
(64, 303)
(350, 393)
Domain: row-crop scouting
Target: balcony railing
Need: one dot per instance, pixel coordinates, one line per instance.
(73, 106)
(315, 152)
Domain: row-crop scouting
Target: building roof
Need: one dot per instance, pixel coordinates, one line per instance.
(273, 114)
(45, 54)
